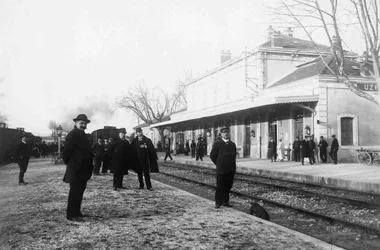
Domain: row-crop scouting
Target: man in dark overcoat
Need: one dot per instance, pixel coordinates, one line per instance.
(312, 147)
(200, 149)
(192, 148)
(98, 151)
(107, 156)
(223, 155)
(120, 151)
(305, 150)
(296, 149)
(323, 149)
(147, 159)
(22, 155)
(77, 155)
(334, 149)
(272, 150)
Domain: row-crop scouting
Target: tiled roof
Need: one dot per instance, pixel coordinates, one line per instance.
(318, 67)
(285, 41)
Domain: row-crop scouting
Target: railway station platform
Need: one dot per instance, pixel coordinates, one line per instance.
(353, 176)
(33, 217)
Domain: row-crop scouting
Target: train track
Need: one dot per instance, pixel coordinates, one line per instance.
(244, 191)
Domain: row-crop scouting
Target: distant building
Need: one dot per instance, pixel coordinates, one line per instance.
(281, 89)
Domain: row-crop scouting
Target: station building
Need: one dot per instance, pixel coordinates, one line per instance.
(281, 89)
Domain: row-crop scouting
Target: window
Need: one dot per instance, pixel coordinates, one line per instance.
(347, 131)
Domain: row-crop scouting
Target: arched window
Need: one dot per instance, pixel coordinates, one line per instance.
(347, 136)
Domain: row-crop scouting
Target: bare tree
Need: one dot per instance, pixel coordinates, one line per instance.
(311, 15)
(153, 105)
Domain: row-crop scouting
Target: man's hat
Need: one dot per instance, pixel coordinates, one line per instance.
(333, 136)
(82, 117)
(224, 130)
(138, 130)
(321, 137)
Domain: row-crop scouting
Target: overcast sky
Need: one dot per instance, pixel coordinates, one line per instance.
(61, 58)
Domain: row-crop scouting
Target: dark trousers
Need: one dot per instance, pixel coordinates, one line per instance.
(193, 153)
(168, 155)
(118, 179)
(323, 155)
(98, 163)
(334, 156)
(147, 179)
(75, 198)
(106, 162)
(312, 158)
(23, 165)
(303, 157)
(199, 157)
(224, 184)
(297, 155)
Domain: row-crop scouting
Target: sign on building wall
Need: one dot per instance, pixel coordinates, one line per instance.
(367, 86)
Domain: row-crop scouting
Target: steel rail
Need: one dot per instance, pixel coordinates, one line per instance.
(337, 198)
(321, 216)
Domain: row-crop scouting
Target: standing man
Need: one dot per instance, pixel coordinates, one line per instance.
(334, 149)
(106, 156)
(120, 156)
(296, 149)
(22, 155)
(312, 147)
(223, 155)
(147, 159)
(272, 149)
(98, 151)
(199, 149)
(192, 148)
(77, 155)
(323, 149)
(305, 150)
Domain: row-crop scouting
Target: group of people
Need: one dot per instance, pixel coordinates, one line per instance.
(79, 157)
(304, 149)
(197, 150)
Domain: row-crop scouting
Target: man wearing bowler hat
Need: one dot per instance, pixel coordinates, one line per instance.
(223, 155)
(147, 159)
(77, 155)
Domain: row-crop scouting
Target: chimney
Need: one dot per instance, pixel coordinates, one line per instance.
(276, 39)
(289, 32)
(270, 31)
(226, 56)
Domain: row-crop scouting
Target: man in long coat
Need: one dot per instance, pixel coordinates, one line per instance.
(272, 150)
(22, 156)
(147, 159)
(305, 150)
(120, 151)
(223, 155)
(334, 149)
(200, 149)
(77, 155)
(98, 151)
(296, 149)
(323, 149)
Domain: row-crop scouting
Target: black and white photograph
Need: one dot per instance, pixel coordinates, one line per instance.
(174, 124)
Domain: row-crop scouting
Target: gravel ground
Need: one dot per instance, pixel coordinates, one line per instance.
(33, 217)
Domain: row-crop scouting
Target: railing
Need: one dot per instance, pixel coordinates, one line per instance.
(369, 157)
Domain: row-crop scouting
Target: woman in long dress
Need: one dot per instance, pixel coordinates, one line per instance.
(280, 151)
